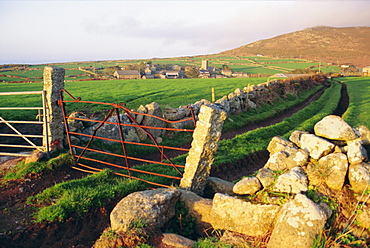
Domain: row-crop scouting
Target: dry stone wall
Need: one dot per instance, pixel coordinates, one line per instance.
(276, 202)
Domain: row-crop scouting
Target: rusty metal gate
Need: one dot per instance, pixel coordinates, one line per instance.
(92, 159)
(27, 143)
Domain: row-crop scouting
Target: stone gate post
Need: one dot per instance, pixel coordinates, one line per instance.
(53, 83)
(203, 147)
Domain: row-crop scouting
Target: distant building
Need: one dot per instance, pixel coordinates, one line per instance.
(227, 73)
(239, 74)
(204, 64)
(127, 74)
(171, 74)
(366, 71)
(204, 73)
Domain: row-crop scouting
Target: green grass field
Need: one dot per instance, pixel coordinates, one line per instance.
(359, 101)
(132, 92)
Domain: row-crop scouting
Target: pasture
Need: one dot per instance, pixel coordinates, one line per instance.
(132, 92)
(247, 64)
(359, 101)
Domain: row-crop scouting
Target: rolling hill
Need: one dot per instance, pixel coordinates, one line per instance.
(328, 44)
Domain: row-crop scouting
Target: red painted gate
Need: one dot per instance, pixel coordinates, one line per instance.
(92, 159)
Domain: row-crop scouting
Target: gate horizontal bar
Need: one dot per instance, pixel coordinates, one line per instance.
(20, 108)
(131, 143)
(21, 146)
(23, 135)
(122, 156)
(14, 154)
(20, 93)
(23, 122)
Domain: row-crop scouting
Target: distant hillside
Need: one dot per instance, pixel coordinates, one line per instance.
(328, 44)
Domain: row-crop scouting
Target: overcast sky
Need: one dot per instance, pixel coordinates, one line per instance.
(62, 31)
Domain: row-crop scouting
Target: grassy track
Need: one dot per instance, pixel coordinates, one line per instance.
(359, 101)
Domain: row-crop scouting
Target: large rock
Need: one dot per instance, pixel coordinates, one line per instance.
(356, 152)
(154, 207)
(278, 144)
(200, 208)
(359, 176)
(335, 128)
(111, 131)
(339, 165)
(295, 137)
(217, 185)
(247, 186)
(294, 181)
(240, 216)
(330, 169)
(298, 223)
(266, 177)
(173, 114)
(287, 158)
(276, 161)
(363, 134)
(172, 240)
(316, 146)
(155, 110)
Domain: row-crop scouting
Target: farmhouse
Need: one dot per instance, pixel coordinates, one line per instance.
(172, 74)
(366, 71)
(239, 74)
(127, 74)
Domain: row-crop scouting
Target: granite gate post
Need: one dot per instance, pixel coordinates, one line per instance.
(203, 147)
(53, 83)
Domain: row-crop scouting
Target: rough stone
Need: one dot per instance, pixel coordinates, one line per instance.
(363, 134)
(217, 185)
(359, 176)
(297, 224)
(295, 137)
(205, 142)
(172, 240)
(53, 83)
(224, 103)
(155, 207)
(266, 177)
(316, 146)
(139, 117)
(338, 164)
(155, 110)
(363, 218)
(294, 181)
(296, 157)
(330, 170)
(200, 208)
(247, 186)
(356, 152)
(111, 131)
(230, 213)
(276, 161)
(335, 128)
(173, 114)
(278, 144)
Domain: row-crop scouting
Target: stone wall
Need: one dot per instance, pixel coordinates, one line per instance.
(291, 198)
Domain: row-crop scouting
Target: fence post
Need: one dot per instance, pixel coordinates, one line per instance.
(53, 83)
(203, 147)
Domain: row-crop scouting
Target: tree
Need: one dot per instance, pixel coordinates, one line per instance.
(191, 72)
